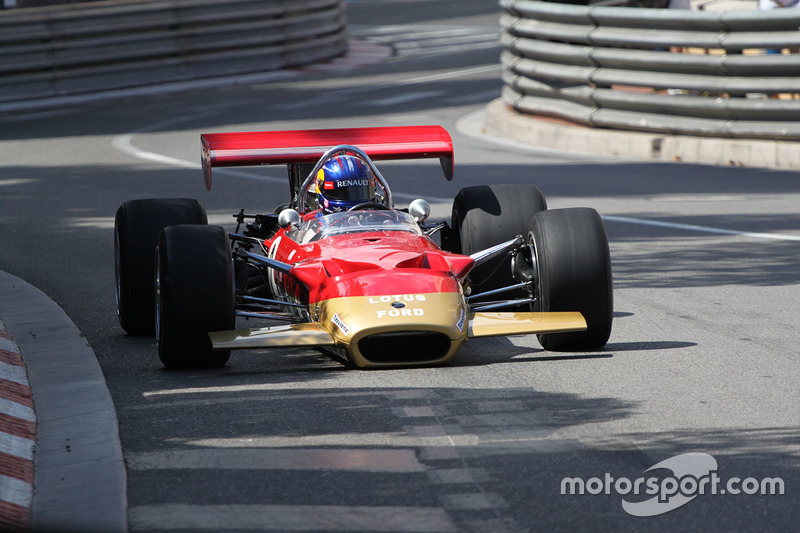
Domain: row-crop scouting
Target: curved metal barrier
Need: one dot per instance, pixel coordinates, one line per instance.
(53, 51)
(655, 70)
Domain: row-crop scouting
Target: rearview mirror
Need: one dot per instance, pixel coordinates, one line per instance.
(420, 210)
(288, 218)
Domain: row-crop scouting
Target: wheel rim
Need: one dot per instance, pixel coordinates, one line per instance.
(535, 289)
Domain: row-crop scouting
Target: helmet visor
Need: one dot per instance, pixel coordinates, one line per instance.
(349, 189)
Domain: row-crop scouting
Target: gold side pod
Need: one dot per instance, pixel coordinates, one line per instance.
(488, 324)
(306, 334)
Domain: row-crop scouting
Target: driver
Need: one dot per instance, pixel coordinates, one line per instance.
(343, 182)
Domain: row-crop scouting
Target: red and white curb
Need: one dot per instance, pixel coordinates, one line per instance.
(17, 437)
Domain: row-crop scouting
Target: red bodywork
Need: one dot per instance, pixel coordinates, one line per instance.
(369, 264)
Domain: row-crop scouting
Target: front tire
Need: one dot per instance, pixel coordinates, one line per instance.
(194, 295)
(137, 226)
(487, 215)
(574, 274)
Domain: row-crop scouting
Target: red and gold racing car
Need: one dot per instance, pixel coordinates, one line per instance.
(341, 269)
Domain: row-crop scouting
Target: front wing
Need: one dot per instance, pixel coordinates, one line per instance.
(481, 324)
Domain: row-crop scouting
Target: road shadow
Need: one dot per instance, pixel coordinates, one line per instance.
(683, 259)
(376, 445)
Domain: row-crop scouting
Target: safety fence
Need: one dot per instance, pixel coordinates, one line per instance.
(67, 50)
(723, 74)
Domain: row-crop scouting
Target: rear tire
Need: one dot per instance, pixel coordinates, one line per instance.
(574, 274)
(488, 215)
(137, 226)
(194, 295)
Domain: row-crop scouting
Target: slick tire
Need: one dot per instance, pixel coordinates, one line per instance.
(574, 274)
(487, 215)
(137, 226)
(194, 295)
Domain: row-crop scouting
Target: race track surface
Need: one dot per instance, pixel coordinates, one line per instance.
(702, 359)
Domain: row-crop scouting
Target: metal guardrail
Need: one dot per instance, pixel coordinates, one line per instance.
(58, 50)
(656, 70)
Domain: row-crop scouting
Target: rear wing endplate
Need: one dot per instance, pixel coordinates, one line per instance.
(307, 146)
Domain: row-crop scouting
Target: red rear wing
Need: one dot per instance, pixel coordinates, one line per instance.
(307, 146)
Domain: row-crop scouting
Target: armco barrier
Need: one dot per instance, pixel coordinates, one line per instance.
(656, 70)
(66, 50)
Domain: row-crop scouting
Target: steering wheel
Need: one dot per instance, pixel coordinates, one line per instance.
(369, 205)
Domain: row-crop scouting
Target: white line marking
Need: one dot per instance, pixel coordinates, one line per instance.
(272, 387)
(13, 182)
(702, 229)
(208, 390)
(338, 439)
(405, 98)
(453, 74)
(264, 398)
(124, 144)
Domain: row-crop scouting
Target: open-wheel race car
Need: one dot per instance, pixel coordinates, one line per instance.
(347, 272)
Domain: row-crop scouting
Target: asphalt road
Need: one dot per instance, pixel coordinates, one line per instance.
(702, 358)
